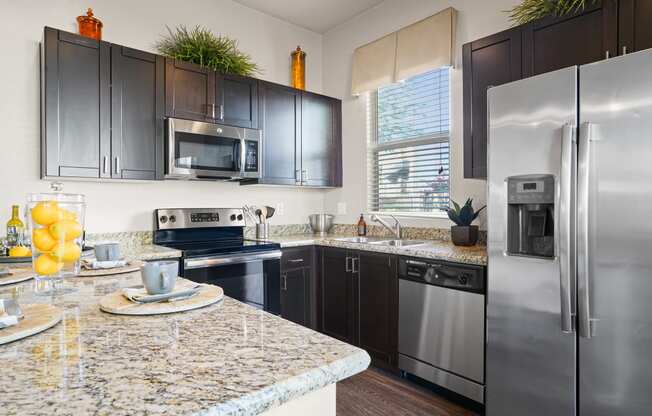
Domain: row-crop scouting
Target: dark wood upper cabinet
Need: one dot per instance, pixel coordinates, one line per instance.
(190, 91)
(280, 121)
(320, 140)
(487, 62)
(138, 102)
(634, 25)
(237, 99)
(338, 293)
(75, 102)
(378, 307)
(554, 43)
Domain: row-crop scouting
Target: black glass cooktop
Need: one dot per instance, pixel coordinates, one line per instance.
(218, 247)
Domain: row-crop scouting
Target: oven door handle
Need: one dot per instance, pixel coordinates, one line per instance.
(212, 261)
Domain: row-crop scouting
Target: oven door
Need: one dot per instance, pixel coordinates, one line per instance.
(252, 278)
(197, 150)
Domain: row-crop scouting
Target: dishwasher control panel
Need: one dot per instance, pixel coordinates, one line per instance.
(445, 274)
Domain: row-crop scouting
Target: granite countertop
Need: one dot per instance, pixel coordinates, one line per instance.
(150, 252)
(432, 249)
(224, 359)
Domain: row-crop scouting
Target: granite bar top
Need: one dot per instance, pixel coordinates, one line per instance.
(225, 359)
(432, 249)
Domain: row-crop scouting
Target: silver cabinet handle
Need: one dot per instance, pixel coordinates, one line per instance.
(586, 329)
(565, 236)
(117, 165)
(625, 50)
(347, 268)
(606, 54)
(105, 164)
(221, 111)
(284, 282)
(353, 264)
(295, 261)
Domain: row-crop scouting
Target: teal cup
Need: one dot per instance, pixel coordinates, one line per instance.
(159, 277)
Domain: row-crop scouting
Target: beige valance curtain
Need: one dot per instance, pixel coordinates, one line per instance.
(420, 47)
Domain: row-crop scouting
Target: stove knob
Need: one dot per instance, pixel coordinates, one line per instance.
(173, 218)
(240, 217)
(163, 219)
(232, 217)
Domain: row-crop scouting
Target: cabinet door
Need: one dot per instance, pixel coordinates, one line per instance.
(337, 295)
(190, 91)
(280, 121)
(237, 98)
(319, 140)
(378, 306)
(634, 25)
(75, 105)
(487, 62)
(554, 43)
(295, 296)
(137, 95)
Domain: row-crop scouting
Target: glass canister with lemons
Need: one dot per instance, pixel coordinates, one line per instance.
(57, 229)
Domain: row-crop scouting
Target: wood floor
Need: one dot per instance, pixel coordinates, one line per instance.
(374, 392)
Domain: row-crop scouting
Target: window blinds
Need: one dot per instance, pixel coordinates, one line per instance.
(409, 152)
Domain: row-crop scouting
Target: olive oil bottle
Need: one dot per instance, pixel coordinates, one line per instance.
(15, 228)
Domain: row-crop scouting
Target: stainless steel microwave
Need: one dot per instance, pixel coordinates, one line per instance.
(197, 150)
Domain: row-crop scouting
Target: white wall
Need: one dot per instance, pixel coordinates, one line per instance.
(476, 18)
(138, 24)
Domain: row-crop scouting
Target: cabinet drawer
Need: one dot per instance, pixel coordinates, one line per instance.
(296, 257)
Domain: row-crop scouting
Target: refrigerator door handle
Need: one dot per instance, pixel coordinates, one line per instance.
(566, 205)
(585, 324)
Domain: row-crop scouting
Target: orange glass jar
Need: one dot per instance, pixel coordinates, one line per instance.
(90, 26)
(298, 69)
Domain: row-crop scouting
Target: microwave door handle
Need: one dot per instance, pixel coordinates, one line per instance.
(243, 157)
(566, 222)
(237, 160)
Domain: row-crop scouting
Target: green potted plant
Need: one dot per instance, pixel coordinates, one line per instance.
(201, 46)
(463, 233)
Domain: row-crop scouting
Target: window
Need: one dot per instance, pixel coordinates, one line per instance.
(408, 151)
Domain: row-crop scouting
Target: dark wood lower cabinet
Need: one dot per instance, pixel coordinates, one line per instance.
(378, 307)
(359, 301)
(295, 295)
(297, 285)
(338, 292)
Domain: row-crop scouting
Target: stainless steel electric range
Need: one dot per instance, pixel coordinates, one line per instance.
(215, 251)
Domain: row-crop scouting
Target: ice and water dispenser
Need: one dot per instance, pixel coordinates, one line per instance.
(530, 215)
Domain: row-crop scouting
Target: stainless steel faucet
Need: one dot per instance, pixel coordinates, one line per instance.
(396, 229)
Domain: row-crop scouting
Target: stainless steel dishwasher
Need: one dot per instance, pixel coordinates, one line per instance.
(442, 324)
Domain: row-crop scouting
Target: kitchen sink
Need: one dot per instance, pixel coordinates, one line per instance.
(398, 243)
(361, 240)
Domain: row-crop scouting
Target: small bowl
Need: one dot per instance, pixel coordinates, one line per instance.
(321, 223)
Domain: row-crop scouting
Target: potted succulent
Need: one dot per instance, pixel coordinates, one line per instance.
(463, 233)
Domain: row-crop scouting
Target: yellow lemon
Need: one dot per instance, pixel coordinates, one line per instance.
(66, 252)
(45, 265)
(46, 212)
(67, 215)
(65, 230)
(42, 239)
(20, 251)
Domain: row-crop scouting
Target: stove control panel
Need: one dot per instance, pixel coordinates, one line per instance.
(179, 218)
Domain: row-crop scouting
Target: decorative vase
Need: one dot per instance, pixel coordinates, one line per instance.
(298, 69)
(90, 26)
(464, 235)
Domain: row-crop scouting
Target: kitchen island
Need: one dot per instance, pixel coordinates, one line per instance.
(225, 359)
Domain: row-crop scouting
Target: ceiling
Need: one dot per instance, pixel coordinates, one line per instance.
(316, 15)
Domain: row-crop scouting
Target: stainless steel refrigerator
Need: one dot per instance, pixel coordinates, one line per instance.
(569, 302)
